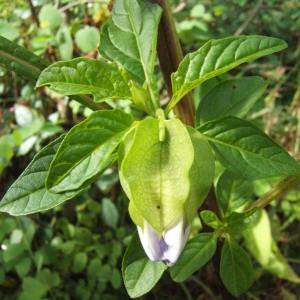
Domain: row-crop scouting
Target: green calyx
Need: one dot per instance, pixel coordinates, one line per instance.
(159, 162)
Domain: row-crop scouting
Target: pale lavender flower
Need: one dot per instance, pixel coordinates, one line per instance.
(168, 248)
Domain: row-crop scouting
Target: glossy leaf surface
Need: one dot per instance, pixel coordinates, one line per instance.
(230, 97)
(217, 57)
(28, 194)
(196, 253)
(87, 150)
(245, 150)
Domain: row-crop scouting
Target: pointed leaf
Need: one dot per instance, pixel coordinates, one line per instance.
(136, 22)
(156, 174)
(217, 57)
(244, 149)
(28, 194)
(210, 219)
(236, 269)
(230, 97)
(87, 76)
(140, 274)
(232, 191)
(196, 253)
(87, 150)
(238, 222)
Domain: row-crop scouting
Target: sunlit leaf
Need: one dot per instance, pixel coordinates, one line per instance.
(87, 76)
(217, 57)
(155, 172)
(230, 97)
(245, 150)
(28, 193)
(87, 150)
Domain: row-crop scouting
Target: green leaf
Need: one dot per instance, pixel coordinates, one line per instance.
(217, 57)
(230, 97)
(65, 44)
(87, 76)
(264, 249)
(232, 191)
(50, 16)
(245, 150)
(110, 213)
(139, 273)
(236, 269)
(136, 22)
(211, 219)
(157, 178)
(201, 173)
(258, 238)
(238, 222)
(8, 31)
(87, 39)
(196, 253)
(33, 287)
(80, 261)
(28, 193)
(279, 266)
(87, 150)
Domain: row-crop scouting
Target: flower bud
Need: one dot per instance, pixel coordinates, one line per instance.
(169, 246)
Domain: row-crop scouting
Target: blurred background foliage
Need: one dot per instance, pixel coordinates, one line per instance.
(75, 250)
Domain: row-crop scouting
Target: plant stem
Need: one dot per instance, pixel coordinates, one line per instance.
(278, 190)
(170, 55)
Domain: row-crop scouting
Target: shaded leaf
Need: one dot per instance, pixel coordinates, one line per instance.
(239, 221)
(196, 253)
(236, 269)
(210, 219)
(232, 191)
(139, 273)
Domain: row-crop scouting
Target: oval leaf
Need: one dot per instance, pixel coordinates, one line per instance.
(87, 76)
(197, 252)
(230, 97)
(217, 57)
(140, 274)
(236, 269)
(87, 150)
(28, 194)
(136, 22)
(232, 191)
(245, 150)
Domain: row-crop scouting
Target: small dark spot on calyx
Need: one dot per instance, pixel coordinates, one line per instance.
(158, 206)
(234, 87)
